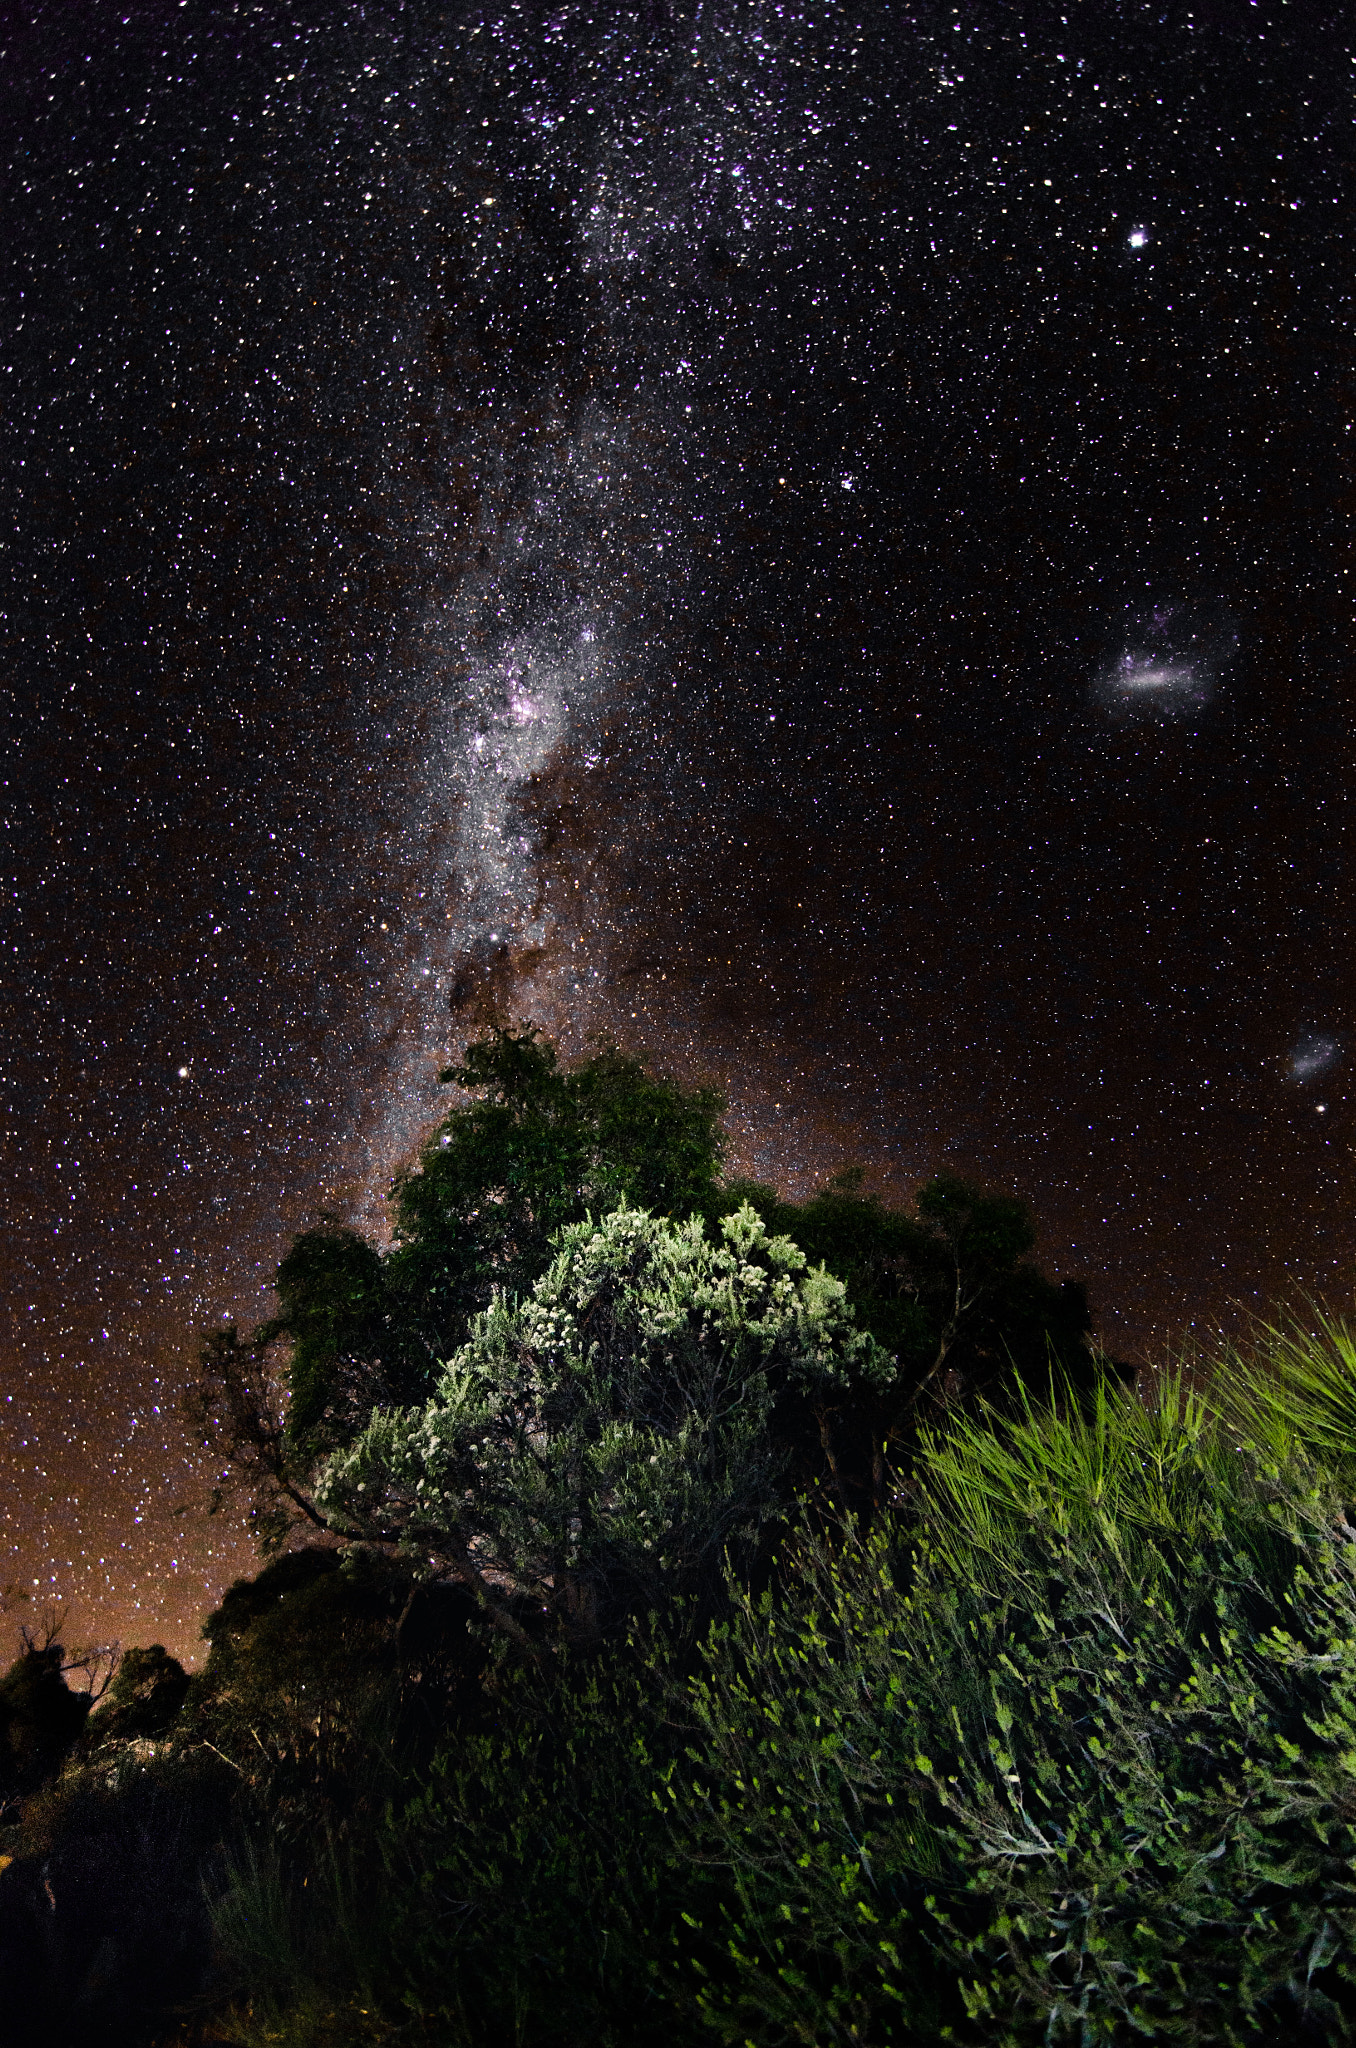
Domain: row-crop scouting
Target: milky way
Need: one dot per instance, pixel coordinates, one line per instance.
(812, 541)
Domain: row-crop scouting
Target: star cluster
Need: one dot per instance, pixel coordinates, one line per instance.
(811, 540)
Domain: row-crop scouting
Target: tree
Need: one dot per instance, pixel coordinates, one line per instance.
(952, 1293)
(595, 1445)
(351, 1347)
(536, 1146)
(144, 1698)
(949, 1290)
(40, 1716)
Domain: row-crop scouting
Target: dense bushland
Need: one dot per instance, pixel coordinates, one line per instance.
(948, 1292)
(696, 1617)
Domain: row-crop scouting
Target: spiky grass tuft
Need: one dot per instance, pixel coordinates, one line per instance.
(1137, 1478)
(1291, 1393)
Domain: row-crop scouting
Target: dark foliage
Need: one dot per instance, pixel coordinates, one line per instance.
(950, 1290)
(331, 1680)
(327, 1676)
(144, 1698)
(522, 1892)
(41, 1718)
(351, 1348)
(237, 1407)
(104, 1927)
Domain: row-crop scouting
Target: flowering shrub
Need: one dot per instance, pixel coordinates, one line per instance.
(596, 1445)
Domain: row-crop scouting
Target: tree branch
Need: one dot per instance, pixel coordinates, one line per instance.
(472, 1578)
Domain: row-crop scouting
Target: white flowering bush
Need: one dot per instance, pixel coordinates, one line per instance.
(597, 1444)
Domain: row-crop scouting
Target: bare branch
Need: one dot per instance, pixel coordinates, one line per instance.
(99, 1662)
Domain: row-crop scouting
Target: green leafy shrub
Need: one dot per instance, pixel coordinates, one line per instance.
(596, 1444)
(1291, 1393)
(1077, 1764)
(540, 1883)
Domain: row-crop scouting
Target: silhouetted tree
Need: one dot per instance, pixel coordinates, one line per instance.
(144, 1698)
(237, 1407)
(40, 1716)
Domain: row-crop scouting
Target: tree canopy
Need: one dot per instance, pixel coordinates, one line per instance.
(537, 1146)
(598, 1442)
(364, 1340)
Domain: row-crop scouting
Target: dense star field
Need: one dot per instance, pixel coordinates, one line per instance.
(813, 540)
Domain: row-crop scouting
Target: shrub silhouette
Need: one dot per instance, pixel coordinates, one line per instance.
(40, 1718)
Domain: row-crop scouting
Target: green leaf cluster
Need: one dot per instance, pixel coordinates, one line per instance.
(531, 1147)
(596, 1445)
(1074, 1762)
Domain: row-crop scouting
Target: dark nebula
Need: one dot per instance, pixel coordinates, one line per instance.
(813, 540)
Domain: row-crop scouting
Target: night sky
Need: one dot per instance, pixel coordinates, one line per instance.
(811, 540)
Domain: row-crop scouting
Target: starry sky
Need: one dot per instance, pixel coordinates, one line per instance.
(812, 540)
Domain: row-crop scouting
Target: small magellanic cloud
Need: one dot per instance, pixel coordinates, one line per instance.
(1314, 1056)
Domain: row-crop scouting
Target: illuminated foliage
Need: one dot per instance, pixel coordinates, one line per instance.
(597, 1443)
